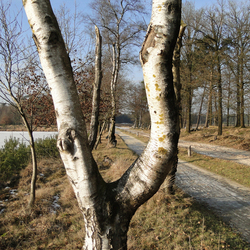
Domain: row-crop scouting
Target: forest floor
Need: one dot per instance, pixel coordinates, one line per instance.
(226, 196)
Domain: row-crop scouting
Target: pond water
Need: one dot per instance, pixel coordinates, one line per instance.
(23, 136)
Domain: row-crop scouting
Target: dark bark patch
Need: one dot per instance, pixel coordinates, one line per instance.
(53, 38)
(48, 20)
(172, 8)
(56, 112)
(36, 42)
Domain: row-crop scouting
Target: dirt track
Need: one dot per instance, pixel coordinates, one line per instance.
(230, 200)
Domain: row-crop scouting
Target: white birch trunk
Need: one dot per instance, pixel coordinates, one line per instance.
(108, 207)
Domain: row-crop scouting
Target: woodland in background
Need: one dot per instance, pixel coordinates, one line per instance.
(215, 65)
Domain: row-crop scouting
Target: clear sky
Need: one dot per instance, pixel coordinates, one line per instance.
(83, 5)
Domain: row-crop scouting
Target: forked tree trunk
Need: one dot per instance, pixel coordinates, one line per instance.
(96, 90)
(107, 208)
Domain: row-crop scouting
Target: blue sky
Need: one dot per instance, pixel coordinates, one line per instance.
(84, 6)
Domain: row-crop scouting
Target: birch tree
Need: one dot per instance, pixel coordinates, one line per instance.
(107, 208)
(121, 27)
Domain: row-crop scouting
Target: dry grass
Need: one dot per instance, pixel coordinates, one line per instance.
(178, 222)
(238, 138)
(22, 128)
(113, 161)
(51, 224)
(164, 222)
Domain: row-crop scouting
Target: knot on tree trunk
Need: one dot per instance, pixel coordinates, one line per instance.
(66, 139)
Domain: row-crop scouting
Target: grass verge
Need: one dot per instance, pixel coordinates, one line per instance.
(234, 171)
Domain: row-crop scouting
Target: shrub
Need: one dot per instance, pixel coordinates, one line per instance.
(14, 156)
(46, 148)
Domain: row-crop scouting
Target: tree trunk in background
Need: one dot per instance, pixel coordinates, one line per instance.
(228, 101)
(107, 208)
(114, 80)
(219, 86)
(242, 108)
(199, 114)
(100, 134)
(33, 152)
(169, 182)
(189, 108)
(96, 90)
(209, 104)
(215, 116)
(176, 68)
(237, 80)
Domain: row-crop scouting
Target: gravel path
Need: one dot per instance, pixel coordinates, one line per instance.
(229, 199)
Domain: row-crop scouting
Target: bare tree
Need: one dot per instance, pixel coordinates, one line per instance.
(214, 38)
(136, 104)
(107, 208)
(192, 18)
(238, 31)
(12, 56)
(120, 31)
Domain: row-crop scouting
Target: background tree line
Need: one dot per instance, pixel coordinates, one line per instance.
(215, 65)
